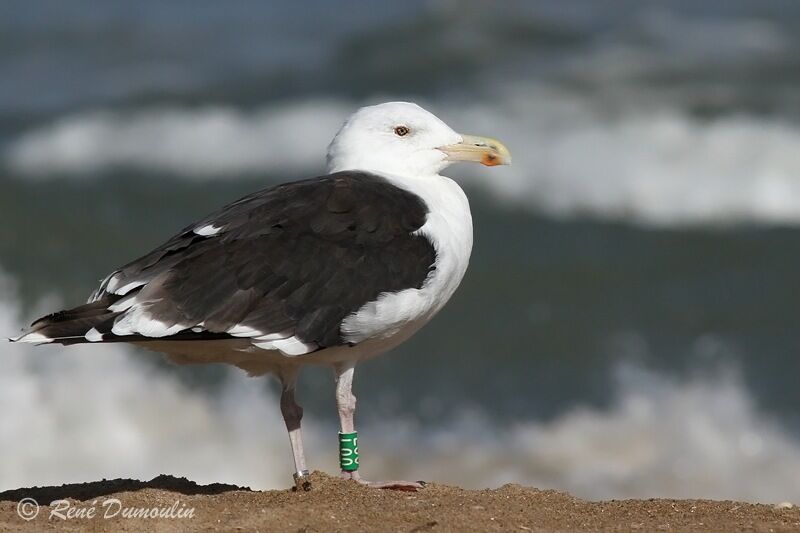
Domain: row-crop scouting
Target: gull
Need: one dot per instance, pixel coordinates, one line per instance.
(327, 271)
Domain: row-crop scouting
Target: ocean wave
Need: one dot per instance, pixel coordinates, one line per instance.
(658, 166)
(210, 142)
(572, 157)
(89, 412)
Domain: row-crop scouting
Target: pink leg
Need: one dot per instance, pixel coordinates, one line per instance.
(346, 405)
(292, 415)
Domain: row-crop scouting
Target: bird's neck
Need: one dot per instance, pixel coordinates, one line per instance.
(420, 166)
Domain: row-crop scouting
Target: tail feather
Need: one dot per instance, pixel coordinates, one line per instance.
(93, 322)
(85, 323)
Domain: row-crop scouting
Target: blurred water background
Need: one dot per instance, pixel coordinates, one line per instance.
(628, 325)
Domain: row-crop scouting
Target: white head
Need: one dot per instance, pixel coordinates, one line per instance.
(402, 138)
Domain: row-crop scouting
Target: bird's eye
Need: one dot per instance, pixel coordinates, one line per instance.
(401, 131)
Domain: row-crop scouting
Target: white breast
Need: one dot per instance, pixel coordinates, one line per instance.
(449, 228)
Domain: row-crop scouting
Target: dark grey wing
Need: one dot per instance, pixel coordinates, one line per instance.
(284, 266)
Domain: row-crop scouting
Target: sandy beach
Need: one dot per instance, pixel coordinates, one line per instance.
(336, 505)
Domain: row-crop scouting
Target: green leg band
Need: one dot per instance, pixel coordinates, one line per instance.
(348, 451)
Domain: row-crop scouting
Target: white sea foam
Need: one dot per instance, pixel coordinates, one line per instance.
(93, 411)
(660, 438)
(207, 142)
(653, 166)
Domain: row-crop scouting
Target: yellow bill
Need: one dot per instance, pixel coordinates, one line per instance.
(484, 150)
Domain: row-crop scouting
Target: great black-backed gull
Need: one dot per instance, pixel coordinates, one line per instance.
(329, 271)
